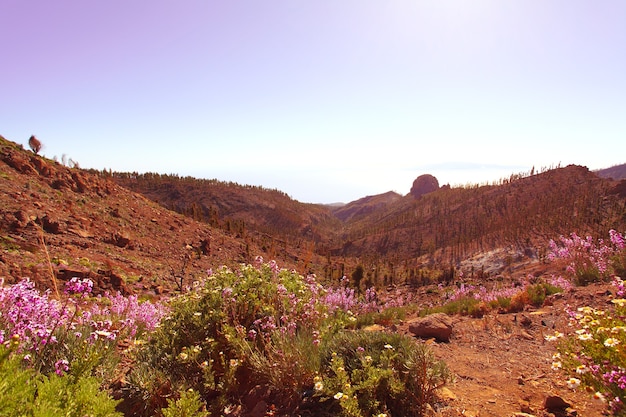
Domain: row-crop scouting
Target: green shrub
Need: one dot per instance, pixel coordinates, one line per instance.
(266, 334)
(466, 306)
(26, 393)
(502, 302)
(17, 385)
(587, 276)
(537, 293)
(385, 317)
(72, 397)
(188, 405)
(368, 373)
(217, 339)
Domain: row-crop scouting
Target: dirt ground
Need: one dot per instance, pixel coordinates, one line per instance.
(502, 362)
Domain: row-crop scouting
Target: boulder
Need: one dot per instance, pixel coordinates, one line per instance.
(19, 162)
(555, 404)
(22, 218)
(52, 224)
(437, 326)
(424, 184)
(120, 239)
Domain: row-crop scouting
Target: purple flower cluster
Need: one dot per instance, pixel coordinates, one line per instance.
(481, 293)
(61, 366)
(30, 315)
(79, 286)
(265, 324)
(560, 282)
(130, 315)
(36, 319)
(273, 265)
(341, 298)
(618, 240)
(617, 377)
(586, 253)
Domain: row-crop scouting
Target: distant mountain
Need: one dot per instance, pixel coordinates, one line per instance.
(108, 226)
(365, 206)
(440, 227)
(522, 212)
(424, 184)
(617, 172)
(233, 207)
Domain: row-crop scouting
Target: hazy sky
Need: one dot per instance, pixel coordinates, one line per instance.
(327, 100)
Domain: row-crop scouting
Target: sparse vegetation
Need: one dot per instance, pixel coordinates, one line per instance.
(413, 257)
(257, 326)
(594, 354)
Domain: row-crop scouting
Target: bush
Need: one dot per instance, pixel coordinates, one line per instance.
(465, 306)
(188, 405)
(587, 259)
(386, 317)
(26, 393)
(595, 352)
(72, 397)
(219, 339)
(17, 385)
(368, 373)
(261, 333)
(537, 293)
(65, 349)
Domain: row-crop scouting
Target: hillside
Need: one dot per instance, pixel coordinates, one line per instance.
(80, 224)
(395, 237)
(518, 213)
(110, 224)
(234, 207)
(616, 172)
(365, 206)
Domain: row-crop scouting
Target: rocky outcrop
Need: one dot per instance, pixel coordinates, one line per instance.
(436, 326)
(557, 405)
(103, 280)
(56, 175)
(424, 184)
(18, 162)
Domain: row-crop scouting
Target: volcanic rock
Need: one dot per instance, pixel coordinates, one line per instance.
(437, 326)
(424, 184)
(555, 404)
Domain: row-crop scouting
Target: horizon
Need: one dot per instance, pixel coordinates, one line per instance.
(326, 101)
(481, 180)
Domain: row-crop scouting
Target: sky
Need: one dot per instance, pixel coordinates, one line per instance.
(326, 100)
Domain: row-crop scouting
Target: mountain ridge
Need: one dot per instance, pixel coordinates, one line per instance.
(146, 231)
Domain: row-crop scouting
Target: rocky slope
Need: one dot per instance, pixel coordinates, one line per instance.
(63, 222)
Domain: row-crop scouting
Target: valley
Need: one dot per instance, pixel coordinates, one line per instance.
(158, 236)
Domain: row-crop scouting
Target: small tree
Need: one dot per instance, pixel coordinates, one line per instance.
(34, 144)
(357, 276)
